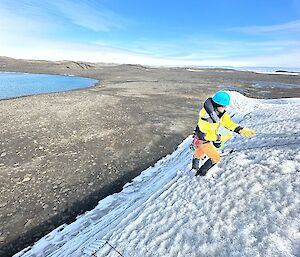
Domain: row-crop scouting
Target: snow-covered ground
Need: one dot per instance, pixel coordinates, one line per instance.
(247, 205)
(278, 73)
(262, 70)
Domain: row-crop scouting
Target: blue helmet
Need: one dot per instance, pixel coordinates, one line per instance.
(221, 98)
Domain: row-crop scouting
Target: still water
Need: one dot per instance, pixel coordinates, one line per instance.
(13, 84)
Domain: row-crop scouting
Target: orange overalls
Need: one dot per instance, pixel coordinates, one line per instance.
(202, 147)
(209, 134)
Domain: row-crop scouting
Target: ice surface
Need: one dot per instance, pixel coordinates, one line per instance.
(247, 205)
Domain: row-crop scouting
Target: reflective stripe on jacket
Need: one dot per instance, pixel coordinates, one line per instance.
(210, 128)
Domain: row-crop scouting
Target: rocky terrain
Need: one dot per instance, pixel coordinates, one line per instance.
(61, 153)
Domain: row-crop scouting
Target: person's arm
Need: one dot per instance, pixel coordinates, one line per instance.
(230, 125)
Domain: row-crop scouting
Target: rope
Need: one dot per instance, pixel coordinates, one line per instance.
(96, 247)
(265, 146)
(106, 242)
(282, 135)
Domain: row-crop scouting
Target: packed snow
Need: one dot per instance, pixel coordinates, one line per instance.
(247, 205)
(279, 73)
(258, 70)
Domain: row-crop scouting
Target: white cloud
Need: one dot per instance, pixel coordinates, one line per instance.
(26, 28)
(59, 50)
(199, 48)
(293, 26)
(88, 14)
(289, 58)
(51, 16)
(25, 19)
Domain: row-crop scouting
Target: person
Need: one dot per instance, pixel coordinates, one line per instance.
(206, 139)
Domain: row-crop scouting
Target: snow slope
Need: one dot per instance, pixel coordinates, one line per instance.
(247, 205)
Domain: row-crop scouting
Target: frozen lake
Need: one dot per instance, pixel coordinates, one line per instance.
(13, 84)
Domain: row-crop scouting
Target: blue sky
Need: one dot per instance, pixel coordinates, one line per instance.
(156, 32)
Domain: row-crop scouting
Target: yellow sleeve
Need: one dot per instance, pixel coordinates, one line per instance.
(227, 122)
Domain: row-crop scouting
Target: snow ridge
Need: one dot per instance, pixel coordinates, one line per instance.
(247, 205)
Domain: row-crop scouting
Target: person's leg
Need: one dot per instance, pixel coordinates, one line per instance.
(195, 163)
(204, 168)
(211, 152)
(198, 153)
(213, 155)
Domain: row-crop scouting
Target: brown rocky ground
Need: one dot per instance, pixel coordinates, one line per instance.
(61, 153)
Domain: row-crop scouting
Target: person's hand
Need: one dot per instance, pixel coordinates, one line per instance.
(225, 137)
(246, 132)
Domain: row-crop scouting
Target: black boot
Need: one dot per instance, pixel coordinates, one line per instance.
(195, 163)
(204, 168)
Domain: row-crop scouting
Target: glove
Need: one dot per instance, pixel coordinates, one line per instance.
(225, 137)
(246, 132)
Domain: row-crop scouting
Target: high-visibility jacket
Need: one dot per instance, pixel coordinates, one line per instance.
(209, 126)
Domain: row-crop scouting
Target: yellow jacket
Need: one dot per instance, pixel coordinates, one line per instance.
(210, 129)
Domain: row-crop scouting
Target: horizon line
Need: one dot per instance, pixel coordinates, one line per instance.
(147, 65)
